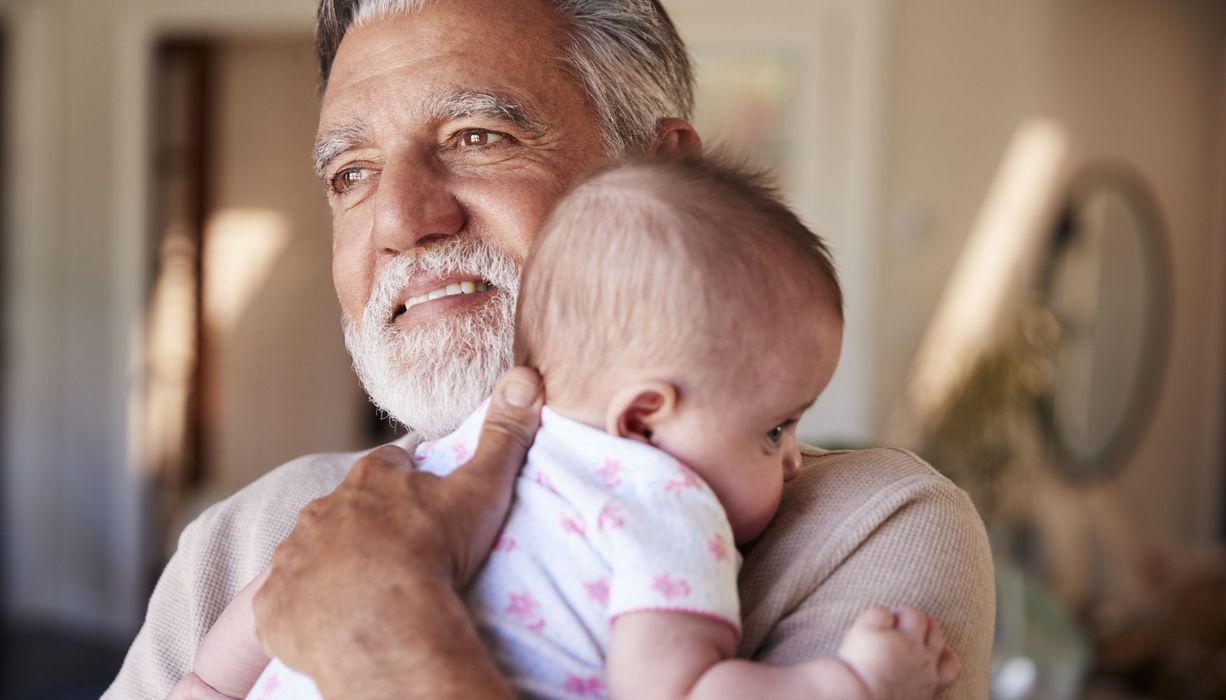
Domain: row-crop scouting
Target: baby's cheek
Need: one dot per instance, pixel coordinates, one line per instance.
(755, 514)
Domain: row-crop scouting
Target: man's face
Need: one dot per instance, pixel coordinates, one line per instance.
(444, 138)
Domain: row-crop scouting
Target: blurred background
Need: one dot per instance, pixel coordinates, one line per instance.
(1027, 202)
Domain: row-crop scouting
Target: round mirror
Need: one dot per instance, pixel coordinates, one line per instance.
(1104, 284)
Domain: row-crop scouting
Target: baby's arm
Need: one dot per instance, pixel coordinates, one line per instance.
(229, 659)
(678, 655)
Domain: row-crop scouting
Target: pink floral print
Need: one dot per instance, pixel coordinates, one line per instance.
(524, 608)
(610, 473)
(670, 588)
(610, 517)
(269, 687)
(572, 524)
(542, 479)
(598, 591)
(590, 687)
(687, 480)
(423, 452)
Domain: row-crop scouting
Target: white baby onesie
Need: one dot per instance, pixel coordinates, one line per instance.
(600, 526)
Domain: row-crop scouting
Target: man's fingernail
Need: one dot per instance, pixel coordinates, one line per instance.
(519, 393)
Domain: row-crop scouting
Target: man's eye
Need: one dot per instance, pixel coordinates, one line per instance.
(347, 179)
(480, 137)
(776, 434)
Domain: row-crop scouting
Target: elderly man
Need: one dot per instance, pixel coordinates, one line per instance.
(448, 128)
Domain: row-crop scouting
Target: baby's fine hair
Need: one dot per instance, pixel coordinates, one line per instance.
(685, 265)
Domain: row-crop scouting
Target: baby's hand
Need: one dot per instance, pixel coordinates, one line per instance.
(192, 687)
(899, 655)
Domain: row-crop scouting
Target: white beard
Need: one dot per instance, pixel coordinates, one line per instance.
(433, 375)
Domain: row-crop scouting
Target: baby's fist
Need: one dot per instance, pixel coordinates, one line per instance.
(900, 654)
(192, 687)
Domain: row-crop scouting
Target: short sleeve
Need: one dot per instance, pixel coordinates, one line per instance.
(671, 549)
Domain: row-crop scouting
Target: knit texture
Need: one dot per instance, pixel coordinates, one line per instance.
(854, 529)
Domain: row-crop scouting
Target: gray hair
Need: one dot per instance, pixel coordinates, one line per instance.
(625, 54)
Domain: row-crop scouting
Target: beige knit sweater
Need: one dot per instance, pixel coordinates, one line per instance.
(854, 529)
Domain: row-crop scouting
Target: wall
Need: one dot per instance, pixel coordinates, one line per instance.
(1135, 80)
(1220, 406)
(280, 381)
(962, 75)
(75, 511)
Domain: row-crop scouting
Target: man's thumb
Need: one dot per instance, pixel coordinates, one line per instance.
(511, 422)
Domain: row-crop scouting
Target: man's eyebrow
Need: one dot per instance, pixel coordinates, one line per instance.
(436, 109)
(333, 142)
(482, 103)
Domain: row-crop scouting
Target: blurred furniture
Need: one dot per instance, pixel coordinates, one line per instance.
(1104, 283)
(1062, 376)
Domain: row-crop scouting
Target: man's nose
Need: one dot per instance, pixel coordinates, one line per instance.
(413, 204)
(791, 462)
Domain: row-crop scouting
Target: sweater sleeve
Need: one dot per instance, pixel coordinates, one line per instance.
(876, 527)
(162, 651)
(218, 553)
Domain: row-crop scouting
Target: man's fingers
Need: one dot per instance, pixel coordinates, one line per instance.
(510, 424)
(378, 461)
(477, 495)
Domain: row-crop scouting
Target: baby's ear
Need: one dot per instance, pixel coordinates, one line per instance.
(637, 410)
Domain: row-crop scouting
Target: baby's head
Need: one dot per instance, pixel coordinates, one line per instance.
(680, 303)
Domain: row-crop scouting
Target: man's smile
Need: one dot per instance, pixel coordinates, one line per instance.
(435, 295)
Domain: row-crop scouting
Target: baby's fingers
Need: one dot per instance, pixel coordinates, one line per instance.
(875, 619)
(948, 667)
(192, 687)
(936, 637)
(913, 623)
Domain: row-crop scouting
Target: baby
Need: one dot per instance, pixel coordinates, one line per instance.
(682, 319)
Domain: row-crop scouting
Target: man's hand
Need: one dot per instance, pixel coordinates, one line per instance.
(362, 595)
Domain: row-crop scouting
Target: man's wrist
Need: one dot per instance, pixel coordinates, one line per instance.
(427, 646)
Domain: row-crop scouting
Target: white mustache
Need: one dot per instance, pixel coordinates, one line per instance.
(431, 376)
(470, 256)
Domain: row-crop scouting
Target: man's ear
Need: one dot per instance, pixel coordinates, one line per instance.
(677, 137)
(638, 410)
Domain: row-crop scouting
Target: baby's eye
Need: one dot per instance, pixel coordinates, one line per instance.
(776, 434)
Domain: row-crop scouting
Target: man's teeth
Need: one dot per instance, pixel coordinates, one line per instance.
(466, 287)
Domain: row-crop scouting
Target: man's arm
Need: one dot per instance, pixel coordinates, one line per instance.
(233, 541)
(363, 595)
(218, 553)
(873, 527)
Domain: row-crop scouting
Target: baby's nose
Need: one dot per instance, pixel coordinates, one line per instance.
(791, 462)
